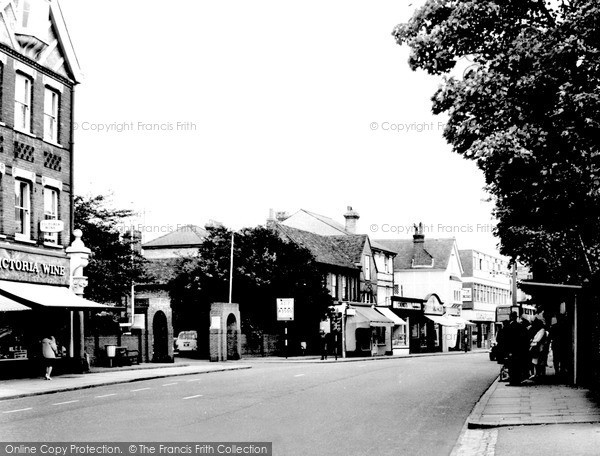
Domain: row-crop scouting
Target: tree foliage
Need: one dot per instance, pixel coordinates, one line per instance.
(114, 264)
(527, 110)
(265, 268)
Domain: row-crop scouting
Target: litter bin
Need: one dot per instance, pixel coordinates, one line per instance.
(111, 351)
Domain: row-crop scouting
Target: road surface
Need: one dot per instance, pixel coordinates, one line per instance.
(410, 406)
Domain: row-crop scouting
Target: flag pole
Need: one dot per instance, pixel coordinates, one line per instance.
(231, 270)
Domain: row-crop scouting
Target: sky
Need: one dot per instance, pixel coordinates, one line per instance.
(192, 111)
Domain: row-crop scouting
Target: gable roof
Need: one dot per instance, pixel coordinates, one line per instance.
(325, 249)
(439, 250)
(50, 47)
(352, 245)
(377, 246)
(466, 258)
(184, 236)
(315, 223)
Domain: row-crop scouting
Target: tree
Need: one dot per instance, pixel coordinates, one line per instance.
(114, 263)
(265, 268)
(527, 110)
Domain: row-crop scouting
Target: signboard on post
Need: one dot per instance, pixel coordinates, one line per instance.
(285, 309)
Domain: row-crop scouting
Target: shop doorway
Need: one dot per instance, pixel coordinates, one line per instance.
(232, 338)
(161, 338)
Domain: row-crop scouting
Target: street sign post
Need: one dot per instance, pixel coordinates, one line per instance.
(285, 312)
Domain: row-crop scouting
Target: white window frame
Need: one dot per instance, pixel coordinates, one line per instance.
(334, 288)
(51, 110)
(23, 212)
(367, 264)
(23, 105)
(51, 213)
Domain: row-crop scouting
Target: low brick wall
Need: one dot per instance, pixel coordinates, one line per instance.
(258, 344)
(95, 346)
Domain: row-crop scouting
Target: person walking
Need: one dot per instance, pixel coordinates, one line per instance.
(49, 351)
(324, 339)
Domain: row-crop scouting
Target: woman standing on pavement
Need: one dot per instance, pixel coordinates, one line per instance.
(539, 348)
(49, 351)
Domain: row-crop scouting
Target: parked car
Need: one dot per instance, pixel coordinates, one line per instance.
(186, 341)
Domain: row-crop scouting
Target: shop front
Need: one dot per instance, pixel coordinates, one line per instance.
(411, 311)
(399, 331)
(483, 330)
(445, 330)
(36, 302)
(367, 332)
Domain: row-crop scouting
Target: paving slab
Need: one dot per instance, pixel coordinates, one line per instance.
(505, 405)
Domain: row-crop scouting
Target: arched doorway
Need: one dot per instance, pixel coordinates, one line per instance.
(232, 338)
(161, 338)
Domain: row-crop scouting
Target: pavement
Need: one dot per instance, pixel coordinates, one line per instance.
(508, 419)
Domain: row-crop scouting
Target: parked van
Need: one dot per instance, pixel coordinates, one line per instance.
(186, 341)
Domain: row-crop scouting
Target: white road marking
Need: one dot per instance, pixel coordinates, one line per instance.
(194, 380)
(192, 397)
(20, 410)
(140, 389)
(170, 384)
(300, 375)
(106, 395)
(67, 402)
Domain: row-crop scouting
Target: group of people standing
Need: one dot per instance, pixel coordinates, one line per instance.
(526, 347)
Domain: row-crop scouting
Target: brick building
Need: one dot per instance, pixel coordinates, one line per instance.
(38, 74)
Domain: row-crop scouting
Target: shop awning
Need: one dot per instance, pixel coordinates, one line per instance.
(462, 320)
(367, 316)
(391, 315)
(442, 320)
(8, 305)
(36, 295)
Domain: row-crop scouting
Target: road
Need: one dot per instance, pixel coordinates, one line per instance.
(412, 406)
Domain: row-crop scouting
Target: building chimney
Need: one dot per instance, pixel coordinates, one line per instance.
(351, 218)
(281, 216)
(419, 237)
(271, 221)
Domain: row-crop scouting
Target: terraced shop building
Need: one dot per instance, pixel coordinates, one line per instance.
(38, 74)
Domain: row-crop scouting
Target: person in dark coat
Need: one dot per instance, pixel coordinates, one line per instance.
(324, 347)
(560, 337)
(500, 343)
(516, 346)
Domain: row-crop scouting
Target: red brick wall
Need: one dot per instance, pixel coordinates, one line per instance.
(8, 137)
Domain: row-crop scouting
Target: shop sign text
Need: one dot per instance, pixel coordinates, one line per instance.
(31, 266)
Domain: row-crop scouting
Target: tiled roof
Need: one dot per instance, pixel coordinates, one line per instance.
(466, 258)
(377, 246)
(421, 257)
(438, 249)
(352, 245)
(325, 249)
(184, 236)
